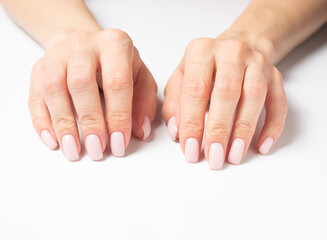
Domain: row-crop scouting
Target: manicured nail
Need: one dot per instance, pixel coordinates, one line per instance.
(266, 145)
(172, 128)
(216, 156)
(192, 150)
(236, 151)
(93, 147)
(48, 140)
(70, 147)
(117, 143)
(146, 127)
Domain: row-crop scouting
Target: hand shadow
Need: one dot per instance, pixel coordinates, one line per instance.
(291, 129)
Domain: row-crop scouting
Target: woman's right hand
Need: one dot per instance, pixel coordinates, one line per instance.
(65, 78)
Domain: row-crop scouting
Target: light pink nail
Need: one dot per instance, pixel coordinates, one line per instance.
(172, 128)
(70, 147)
(48, 140)
(236, 151)
(93, 147)
(146, 127)
(117, 143)
(216, 156)
(192, 150)
(266, 145)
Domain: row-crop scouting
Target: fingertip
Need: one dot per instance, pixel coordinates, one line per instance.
(146, 127)
(117, 144)
(172, 128)
(94, 147)
(70, 148)
(266, 145)
(48, 139)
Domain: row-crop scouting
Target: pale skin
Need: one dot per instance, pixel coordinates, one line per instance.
(237, 67)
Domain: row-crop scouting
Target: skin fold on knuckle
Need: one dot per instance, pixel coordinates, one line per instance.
(217, 130)
(255, 89)
(244, 126)
(90, 122)
(35, 102)
(189, 128)
(117, 82)
(53, 83)
(195, 89)
(227, 89)
(276, 127)
(39, 120)
(79, 78)
(64, 124)
(118, 119)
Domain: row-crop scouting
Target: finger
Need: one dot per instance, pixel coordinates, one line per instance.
(39, 113)
(144, 103)
(171, 104)
(199, 68)
(82, 85)
(57, 98)
(117, 75)
(224, 99)
(252, 99)
(276, 111)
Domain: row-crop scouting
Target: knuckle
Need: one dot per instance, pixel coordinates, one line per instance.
(237, 48)
(117, 35)
(256, 88)
(195, 88)
(79, 78)
(199, 45)
(90, 121)
(53, 82)
(244, 125)
(227, 88)
(116, 82)
(276, 126)
(81, 38)
(278, 105)
(260, 59)
(35, 101)
(191, 126)
(218, 129)
(63, 122)
(120, 118)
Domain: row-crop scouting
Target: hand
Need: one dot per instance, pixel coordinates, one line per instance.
(65, 78)
(241, 79)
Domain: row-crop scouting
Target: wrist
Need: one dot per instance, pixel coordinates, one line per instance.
(255, 41)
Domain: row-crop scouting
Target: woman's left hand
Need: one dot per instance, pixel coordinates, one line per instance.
(236, 79)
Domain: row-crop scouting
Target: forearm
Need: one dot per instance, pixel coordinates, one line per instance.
(48, 21)
(276, 27)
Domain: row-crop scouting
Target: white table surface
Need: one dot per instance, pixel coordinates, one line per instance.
(153, 193)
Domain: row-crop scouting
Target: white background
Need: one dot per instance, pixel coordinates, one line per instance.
(153, 193)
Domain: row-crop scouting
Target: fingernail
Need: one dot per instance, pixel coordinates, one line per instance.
(93, 147)
(236, 151)
(146, 127)
(216, 156)
(266, 145)
(117, 143)
(192, 150)
(48, 140)
(70, 147)
(172, 128)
